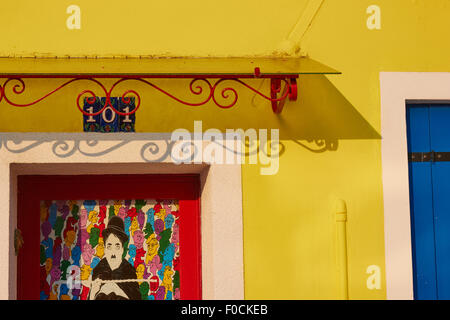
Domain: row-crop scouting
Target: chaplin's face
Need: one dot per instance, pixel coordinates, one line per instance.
(113, 251)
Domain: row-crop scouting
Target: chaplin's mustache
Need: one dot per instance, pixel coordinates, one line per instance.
(113, 256)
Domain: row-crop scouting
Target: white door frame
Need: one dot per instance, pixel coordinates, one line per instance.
(125, 153)
(397, 89)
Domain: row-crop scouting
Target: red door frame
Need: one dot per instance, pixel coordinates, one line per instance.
(34, 188)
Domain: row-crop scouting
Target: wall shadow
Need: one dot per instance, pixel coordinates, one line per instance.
(322, 117)
(317, 121)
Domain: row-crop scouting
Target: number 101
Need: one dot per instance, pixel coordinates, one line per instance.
(108, 120)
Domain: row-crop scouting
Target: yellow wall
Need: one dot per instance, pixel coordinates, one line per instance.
(289, 222)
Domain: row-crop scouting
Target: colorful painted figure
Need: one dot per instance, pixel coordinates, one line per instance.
(66, 253)
(57, 252)
(134, 226)
(83, 237)
(47, 242)
(83, 219)
(175, 236)
(161, 214)
(140, 271)
(144, 288)
(159, 227)
(157, 207)
(122, 213)
(46, 229)
(140, 254)
(48, 265)
(44, 213)
(54, 292)
(139, 204)
(117, 206)
(167, 207)
(94, 236)
(100, 249)
(53, 212)
(84, 293)
(87, 253)
(167, 279)
(69, 238)
(160, 293)
(65, 210)
(55, 274)
(76, 254)
(151, 217)
(71, 224)
(58, 226)
(89, 205)
(94, 262)
(176, 263)
(138, 238)
(127, 225)
(132, 213)
(154, 283)
(85, 272)
(155, 265)
(101, 219)
(141, 219)
(132, 253)
(152, 248)
(169, 221)
(168, 256)
(44, 286)
(93, 218)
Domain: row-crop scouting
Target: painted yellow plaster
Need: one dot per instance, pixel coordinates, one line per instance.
(147, 27)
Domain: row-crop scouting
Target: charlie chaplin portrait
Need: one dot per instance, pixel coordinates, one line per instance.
(114, 267)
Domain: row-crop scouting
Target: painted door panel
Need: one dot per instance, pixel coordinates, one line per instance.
(428, 131)
(32, 190)
(422, 223)
(440, 141)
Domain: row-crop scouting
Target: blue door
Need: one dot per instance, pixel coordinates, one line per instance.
(429, 177)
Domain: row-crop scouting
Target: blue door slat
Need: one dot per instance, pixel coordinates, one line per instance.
(423, 232)
(418, 129)
(421, 195)
(440, 141)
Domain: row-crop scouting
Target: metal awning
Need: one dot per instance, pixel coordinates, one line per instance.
(279, 70)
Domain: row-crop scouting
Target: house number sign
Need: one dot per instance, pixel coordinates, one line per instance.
(108, 120)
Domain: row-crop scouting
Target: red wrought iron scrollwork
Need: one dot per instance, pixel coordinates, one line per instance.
(278, 96)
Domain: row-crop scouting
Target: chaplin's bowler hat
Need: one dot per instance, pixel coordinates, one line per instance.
(117, 228)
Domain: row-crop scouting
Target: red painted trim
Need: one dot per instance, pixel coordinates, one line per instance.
(33, 189)
(227, 92)
(149, 76)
